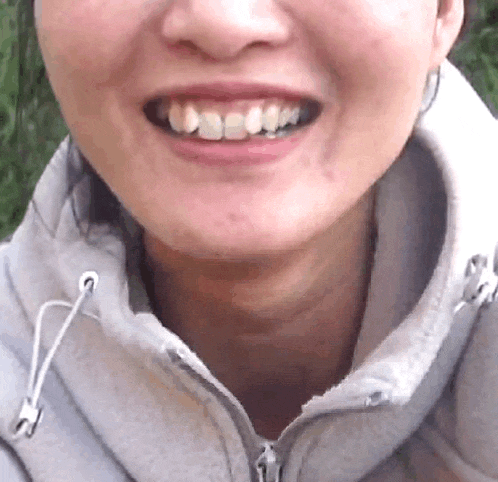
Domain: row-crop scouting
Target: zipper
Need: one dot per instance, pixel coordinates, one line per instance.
(481, 288)
(250, 439)
(266, 458)
(267, 465)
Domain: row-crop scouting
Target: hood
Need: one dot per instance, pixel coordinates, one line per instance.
(433, 214)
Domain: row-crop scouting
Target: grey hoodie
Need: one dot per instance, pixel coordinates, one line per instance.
(122, 398)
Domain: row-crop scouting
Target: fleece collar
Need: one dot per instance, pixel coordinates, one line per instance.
(433, 215)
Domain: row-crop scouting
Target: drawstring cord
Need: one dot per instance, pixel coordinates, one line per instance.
(481, 288)
(30, 414)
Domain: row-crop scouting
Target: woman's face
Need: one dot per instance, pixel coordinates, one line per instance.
(364, 62)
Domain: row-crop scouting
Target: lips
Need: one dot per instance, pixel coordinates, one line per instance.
(232, 91)
(200, 145)
(223, 110)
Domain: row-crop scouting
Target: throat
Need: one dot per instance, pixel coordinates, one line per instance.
(274, 367)
(273, 393)
(272, 407)
(277, 333)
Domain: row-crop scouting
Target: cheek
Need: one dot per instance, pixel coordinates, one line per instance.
(378, 53)
(92, 39)
(367, 44)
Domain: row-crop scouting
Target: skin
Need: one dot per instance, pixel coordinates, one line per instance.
(263, 270)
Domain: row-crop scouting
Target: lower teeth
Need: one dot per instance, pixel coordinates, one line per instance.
(280, 132)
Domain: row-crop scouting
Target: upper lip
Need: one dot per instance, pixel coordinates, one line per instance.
(230, 91)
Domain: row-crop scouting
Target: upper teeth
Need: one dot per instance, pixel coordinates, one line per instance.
(210, 124)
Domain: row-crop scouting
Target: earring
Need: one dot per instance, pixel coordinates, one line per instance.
(431, 90)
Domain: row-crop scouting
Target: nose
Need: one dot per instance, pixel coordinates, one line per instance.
(222, 29)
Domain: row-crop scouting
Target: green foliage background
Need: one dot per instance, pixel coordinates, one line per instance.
(31, 126)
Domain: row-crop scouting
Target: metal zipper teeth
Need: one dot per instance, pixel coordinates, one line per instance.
(250, 439)
(265, 458)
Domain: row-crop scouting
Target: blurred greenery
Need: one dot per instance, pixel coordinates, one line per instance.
(31, 126)
(477, 54)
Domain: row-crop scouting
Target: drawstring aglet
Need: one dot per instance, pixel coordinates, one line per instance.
(29, 417)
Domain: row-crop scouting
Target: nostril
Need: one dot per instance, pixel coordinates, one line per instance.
(184, 47)
(188, 44)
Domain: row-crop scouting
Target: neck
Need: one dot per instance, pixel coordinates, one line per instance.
(286, 323)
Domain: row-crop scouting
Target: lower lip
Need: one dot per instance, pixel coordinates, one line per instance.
(251, 152)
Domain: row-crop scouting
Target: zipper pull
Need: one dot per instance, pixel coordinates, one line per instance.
(269, 470)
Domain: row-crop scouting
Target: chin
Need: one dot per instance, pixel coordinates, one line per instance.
(232, 248)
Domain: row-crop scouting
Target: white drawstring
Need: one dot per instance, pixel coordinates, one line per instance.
(30, 414)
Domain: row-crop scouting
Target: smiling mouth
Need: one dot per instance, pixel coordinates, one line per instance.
(191, 119)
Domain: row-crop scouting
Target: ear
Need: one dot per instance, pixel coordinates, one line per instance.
(448, 24)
